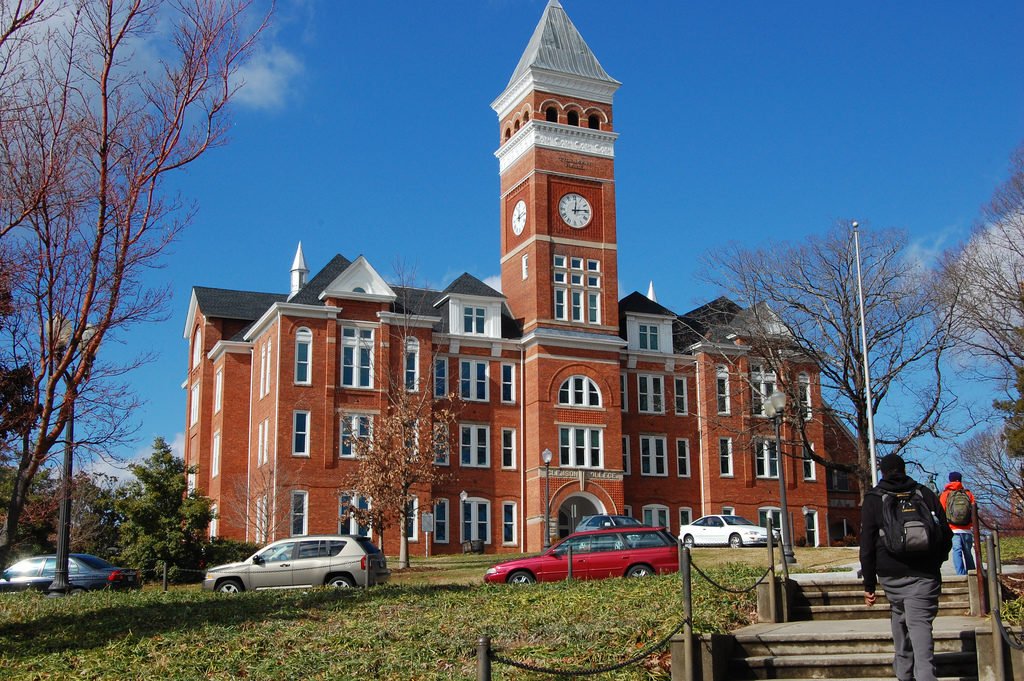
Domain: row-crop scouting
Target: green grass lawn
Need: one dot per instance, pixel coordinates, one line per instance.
(400, 631)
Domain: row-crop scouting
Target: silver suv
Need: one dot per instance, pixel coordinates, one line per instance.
(331, 560)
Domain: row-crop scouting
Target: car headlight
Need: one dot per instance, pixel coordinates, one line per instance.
(492, 571)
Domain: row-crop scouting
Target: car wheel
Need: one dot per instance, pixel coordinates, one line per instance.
(521, 577)
(688, 541)
(735, 541)
(640, 571)
(341, 582)
(230, 586)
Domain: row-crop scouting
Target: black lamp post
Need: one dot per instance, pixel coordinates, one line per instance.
(546, 456)
(61, 584)
(774, 408)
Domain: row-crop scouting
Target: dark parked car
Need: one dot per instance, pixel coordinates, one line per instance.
(85, 573)
(597, 522)
(596, 554)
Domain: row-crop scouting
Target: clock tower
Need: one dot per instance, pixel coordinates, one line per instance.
(559, 270)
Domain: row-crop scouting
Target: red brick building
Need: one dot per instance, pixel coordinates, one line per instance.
(646, 412)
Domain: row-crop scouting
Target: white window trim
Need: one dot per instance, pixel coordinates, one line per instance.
(447, 521)
(676, 382)
(305, 513)
(357, 343)
(624, 391)
(515, 523)
(215, 455)
(814, 466)
(512, 432)
(722, 372)
(689, 463)
(193, 418)
(655, 398)
(511, 383)
(626, 457)
(473, 503)
(218, 391)
(197, 347)
(441, 388)
(656, 510)
(349, 423)
(804, 386)
(415, 536)
(652, 457)
(474, 443)
(689, 515)
(412, 347)
(728, 510)
(730, 458)
(589, 430)
(473, 381)
(295, 431)
(590, 388)
(764, 452)
(304, 337)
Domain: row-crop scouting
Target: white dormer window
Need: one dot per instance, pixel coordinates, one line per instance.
(649, 334)
(473, 319)
(648, 337)
(475, 316)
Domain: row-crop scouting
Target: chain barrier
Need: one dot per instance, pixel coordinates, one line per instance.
(725, 588)
(1015, 641)
(658, 645)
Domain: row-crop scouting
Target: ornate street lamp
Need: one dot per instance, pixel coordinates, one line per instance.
(61, 585)
(546, 456)
(774, 409)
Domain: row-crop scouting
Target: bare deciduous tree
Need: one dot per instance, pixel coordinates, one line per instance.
(995, 477)
(985, 279)
(811, 288)
(89, 132)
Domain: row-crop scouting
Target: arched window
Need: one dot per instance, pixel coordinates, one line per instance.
(551, 114)
(804, 382)
(579, 391)
(508, 134)
(197, 347)
(412, 364)
(303, 355)
(526, 117)
(573, 118)
(517, 126)
(594, 122)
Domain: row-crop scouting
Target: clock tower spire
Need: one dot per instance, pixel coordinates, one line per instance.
(559, 271)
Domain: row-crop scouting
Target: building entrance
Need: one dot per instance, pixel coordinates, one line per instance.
(571, 512)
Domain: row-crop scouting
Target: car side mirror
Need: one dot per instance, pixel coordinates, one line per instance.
(257, 560)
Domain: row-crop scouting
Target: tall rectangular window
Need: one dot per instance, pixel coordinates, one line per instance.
(263, 442)
(356, 357)
(722, 389)
(526, 266)
(577, 291)
(193, 409)
(303, 348)
(683, 458)
(560, 304)
(412, 364)
(215, 456)
(476, 520)
(580, 447)
(809, 469)
(682, 403)
(626, 464)
(473, 380)
(653, 459)
(725, 456)
(473, 319)
(508, 522)
(804, 388)
(685, 516)
(650, 394)
(475, 446)
(218, 391)
(762, 385)
(262, 529)
(441, 521)
(348, 523)
(441, 377)
(508, 448)
(412, 511)
(656, 515)
(300, 501)
(353, 427)
(300, 433)
(623, 392)
(508, 383)
(767, 459)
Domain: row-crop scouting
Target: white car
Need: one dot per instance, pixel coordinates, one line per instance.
(724, 530)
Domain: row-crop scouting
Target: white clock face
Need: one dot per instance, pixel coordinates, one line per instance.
(575, 210)
(519, 218)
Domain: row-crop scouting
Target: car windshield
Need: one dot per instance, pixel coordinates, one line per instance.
(367, 545)
(736, 520)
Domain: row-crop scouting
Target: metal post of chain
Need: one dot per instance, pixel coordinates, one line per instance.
(483, 658)
(773, 605)
(997, 558)
(568, 555)
(995, 601)
(684, 569)
(980, 574)
(165, 575)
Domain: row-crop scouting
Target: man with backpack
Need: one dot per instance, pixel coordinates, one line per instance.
(959, 504)
(904, 540)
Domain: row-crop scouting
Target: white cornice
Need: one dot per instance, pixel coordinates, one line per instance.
(572, 339)
(227, 347)
(556, 136)
(707, 347)
(290, 310)
(557, 83)
(417, 321)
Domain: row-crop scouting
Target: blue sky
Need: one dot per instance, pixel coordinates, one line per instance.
(366, 128)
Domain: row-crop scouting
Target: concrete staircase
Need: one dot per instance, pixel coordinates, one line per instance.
(833, 635)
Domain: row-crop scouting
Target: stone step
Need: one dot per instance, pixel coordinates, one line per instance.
(844, 612)
(839, 665)
(826, 644)
(812, 596)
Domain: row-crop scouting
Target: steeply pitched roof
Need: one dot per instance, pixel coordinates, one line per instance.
(231, 304)
(556, 45)
(469, 285)
(310, 293)
(707, 322)
(641, 304)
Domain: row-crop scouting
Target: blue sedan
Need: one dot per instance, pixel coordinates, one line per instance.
(85, 573)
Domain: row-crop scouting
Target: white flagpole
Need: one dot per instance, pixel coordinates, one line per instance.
(864, 352)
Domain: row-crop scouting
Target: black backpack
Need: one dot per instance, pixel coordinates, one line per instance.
(908, 527)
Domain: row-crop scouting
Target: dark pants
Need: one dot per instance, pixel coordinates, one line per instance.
(914, 602)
